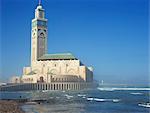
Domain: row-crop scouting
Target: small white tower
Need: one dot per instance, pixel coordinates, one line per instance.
(38, 34)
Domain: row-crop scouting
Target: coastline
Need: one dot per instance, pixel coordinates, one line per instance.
(89, 101)
(10, 106)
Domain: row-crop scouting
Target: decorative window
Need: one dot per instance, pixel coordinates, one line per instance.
(40, 14)
(42, 35)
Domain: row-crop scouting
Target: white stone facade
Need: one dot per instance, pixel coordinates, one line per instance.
(69, 70)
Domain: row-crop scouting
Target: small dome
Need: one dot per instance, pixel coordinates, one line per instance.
(39, 7)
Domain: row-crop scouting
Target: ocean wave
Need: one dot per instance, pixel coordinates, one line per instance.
(90, 99)
(79, 95)
(103, 100)
(68, 96)
(113, 89)
(147, 105)
(51, 97)
(136, 93)
(116, 100)
(44, 91)
(106, 89)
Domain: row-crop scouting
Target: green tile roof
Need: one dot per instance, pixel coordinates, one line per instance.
(60, 56)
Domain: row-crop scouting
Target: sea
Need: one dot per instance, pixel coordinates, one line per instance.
(98, 100)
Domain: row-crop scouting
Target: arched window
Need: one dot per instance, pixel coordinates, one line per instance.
(41, 79)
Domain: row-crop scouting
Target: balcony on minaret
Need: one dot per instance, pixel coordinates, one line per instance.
(39, 12)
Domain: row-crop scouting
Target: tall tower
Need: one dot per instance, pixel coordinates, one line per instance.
(38, 34)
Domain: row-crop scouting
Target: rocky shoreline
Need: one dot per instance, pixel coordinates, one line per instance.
(10, 106)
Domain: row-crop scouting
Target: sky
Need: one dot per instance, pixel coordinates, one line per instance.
(110, 35)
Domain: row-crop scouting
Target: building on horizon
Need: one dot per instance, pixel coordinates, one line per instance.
(51, 68)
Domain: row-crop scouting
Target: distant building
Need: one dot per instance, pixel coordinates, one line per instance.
(15, 79)
(50, 68)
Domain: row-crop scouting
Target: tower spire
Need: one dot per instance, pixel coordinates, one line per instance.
(39, 2)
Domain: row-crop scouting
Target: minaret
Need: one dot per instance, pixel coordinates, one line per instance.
(38, 34)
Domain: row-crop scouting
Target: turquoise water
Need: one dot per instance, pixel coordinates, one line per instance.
(89, 101)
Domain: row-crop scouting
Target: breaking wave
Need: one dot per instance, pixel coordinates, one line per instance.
(102, 100)
(147, 105)
(113, 89)
(136, 93)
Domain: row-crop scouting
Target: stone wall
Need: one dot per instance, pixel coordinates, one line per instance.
(46, 86)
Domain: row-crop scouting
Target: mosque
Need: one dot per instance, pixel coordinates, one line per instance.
(62, 68)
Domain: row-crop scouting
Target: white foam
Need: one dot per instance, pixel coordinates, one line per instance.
(68, 96)
(79, 95)
(103, 100)
(45, 91)
(112, 89)
(106, 89)
(147, 105)
(51, 97)
(90, 99)
(136, 93)
(116, 100)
